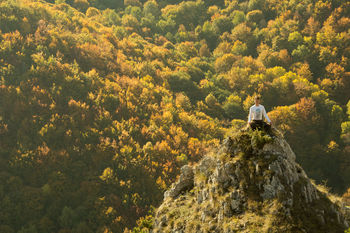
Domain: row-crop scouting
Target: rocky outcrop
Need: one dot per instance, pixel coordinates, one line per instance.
(184, 183)
(251, 183)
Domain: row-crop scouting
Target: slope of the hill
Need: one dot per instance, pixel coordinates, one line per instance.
(250, 184)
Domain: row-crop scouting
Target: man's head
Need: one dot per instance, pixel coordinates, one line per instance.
(257, 99)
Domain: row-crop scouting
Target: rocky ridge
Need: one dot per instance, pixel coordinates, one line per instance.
(251, 183)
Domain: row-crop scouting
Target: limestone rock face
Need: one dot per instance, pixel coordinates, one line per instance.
(184, 183)
(251, 183)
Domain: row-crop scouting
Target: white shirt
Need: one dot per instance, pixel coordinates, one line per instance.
(257, 112)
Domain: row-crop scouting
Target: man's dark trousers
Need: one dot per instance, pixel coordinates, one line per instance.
(260, 124)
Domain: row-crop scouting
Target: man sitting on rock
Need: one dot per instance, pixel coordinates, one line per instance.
(255, 118)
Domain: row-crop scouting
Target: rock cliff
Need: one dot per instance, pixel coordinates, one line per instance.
(251, 183)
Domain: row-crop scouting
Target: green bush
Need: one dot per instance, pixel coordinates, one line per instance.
(260, 138)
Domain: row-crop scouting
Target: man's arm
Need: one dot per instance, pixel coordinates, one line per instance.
(250, 115)
(266, 116)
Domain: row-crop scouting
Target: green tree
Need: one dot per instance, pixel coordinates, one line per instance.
(67, 218)
(151, 8)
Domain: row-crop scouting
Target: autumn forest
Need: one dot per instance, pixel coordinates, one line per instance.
(103, 101)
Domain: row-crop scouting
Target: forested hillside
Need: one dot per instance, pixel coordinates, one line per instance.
(102, 101)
